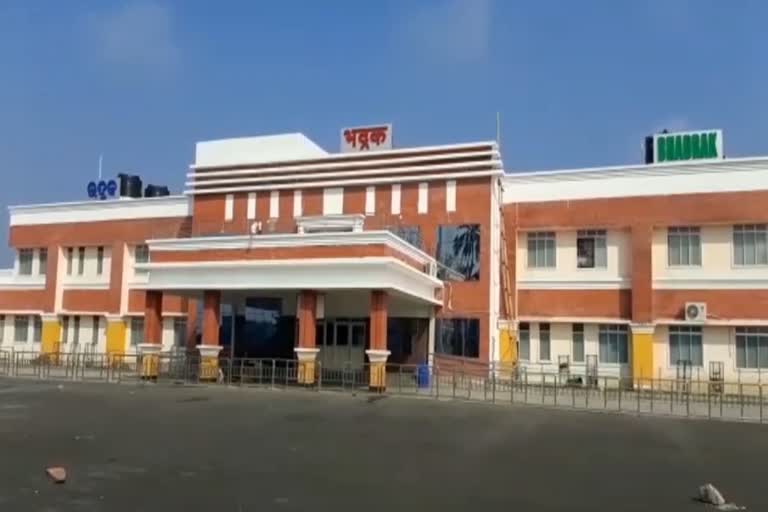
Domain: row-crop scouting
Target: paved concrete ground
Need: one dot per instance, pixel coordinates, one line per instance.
(130, 448)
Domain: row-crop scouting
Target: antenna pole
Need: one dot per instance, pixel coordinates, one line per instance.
(101, 157)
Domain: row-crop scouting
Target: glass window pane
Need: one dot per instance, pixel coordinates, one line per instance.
(585, 253)
(623, 343)
(411, 234)
(37, 329)
(549, 253)
(613, 350)
(531, 252)
(137, 330)
(544, 345)
(472, 339)
(525, 343)
(21, 328)
(685, 349)
(69, 261)
(697, 350)
(763, 351)
(761, 249)
(458, 337)
(25, 261)
(141, 254)
(749, 248)
(458, 252)
(342, 334)
(179, 332)
(738, 248)
(601, 252)
(741, 352)
(684, 250)
(695, 250)
(80, 261)
(674, 349)
(751, 352)
(603, 341)
(673, 249)
(578, 343)
(43, 257)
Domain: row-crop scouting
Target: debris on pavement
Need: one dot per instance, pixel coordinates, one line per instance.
(709, 494)
(57, 473)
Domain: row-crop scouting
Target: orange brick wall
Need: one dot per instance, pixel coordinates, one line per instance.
(640, 215)
(113, 234)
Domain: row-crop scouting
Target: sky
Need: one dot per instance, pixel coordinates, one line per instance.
(576, 83)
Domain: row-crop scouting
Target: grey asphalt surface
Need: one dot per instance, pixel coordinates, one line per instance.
(130, 448)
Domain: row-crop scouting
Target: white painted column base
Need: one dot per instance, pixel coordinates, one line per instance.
(377, 356)
(149, 348)
(305, 354)
(209, 350)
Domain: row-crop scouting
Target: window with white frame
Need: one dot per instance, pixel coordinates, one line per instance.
(541, 249)
(99, 260)
(752, 347)
(683, 246)
(578, 342)
(20, 328)
(43, 261)
(76, 331)
(685, 346)
(524, 341)
(614, 344)
(137, 330)
(141, 254)
(26, 257)
(591, 248)
(750, 244)
(544, 343)
(37, 328)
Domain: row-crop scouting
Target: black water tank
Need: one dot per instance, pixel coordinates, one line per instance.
(649, 150)
(130, 185)
(156, 191)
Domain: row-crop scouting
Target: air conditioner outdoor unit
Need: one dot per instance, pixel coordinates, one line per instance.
(695, 311)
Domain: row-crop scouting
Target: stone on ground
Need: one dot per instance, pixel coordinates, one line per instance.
(57, 473)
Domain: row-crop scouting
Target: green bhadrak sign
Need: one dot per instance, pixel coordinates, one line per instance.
(680, 147)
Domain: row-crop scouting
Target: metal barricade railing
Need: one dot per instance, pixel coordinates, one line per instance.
(681, 397)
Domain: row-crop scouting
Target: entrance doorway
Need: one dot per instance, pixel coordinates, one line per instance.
(343, 344)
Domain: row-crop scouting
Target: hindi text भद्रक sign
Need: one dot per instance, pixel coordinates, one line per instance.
(366, 138)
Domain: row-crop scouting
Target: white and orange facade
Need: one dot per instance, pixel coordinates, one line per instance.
(280, 249)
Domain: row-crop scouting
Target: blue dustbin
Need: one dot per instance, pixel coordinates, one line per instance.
(422, 376)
